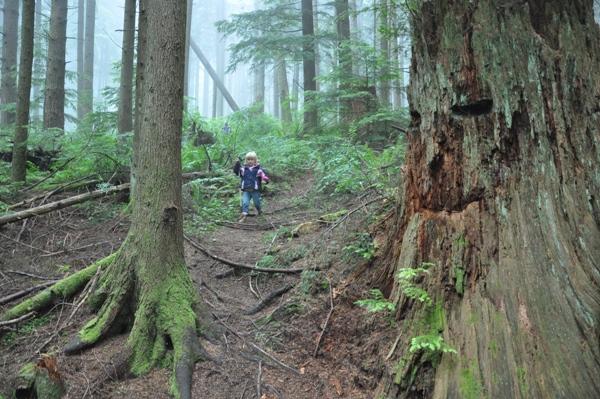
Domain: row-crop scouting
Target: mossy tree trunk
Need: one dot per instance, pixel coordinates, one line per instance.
(502, 193)
(147, 287)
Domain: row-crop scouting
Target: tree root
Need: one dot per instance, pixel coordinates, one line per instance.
(268, 299)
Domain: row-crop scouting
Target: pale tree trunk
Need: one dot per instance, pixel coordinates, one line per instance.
(10, 37)
(316, 29)
(284, 90)
(54, 103)
(276, 108)
(259, 75)
(259, 85)
(19, 160)
(220, 56)
(146, 286)
(88, 58)
(206, 93)
(38, 65)
(127, 56)
(344, 57)
(309, 69)
(502, 194)
(186, 79)
(384, 48)
(80, 58)
(296, 86)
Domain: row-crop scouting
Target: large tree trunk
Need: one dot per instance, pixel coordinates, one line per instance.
(10, 36)
(127, 56)
(147, 287)
(54, 103)
(19, 161)
(502, 194)
(38, 66)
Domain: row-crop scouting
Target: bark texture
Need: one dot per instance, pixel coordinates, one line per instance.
(146, 287)
(126, 88)
(8, 85)
(19, 159)
(308, 63)
(502, 193)
(54, 104)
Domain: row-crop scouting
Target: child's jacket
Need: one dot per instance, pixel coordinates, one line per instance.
(252, 177)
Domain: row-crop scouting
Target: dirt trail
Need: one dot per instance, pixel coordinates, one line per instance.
(275, 345)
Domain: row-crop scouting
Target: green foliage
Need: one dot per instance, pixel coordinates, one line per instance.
(405, 277)
(376, 304)
(211, 201)
(362, 245)
(26, 328)
(430, 343)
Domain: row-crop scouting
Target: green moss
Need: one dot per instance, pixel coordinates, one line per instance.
(522, 374)
(471, 386)
(460, 275)
(494, 347)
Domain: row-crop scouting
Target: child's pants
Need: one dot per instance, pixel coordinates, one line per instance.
(255, 196)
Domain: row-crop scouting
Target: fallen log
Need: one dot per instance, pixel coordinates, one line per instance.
(53, 206)
(24, 292)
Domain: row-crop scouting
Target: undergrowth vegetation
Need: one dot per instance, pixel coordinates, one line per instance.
(95, 156)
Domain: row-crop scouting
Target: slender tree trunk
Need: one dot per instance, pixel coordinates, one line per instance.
(38, 66)
(188, 24)
(54, 103)
(127, 57)
(384, 48)
(276, 108)
(259, 85)
(295, 86)
(88, 57)
(344, 56)
(206, 93)
(284, 90)
(220, 55)
(317, 58)
(308, 63)
(19, 160)
(10, 37)
(80, 58)
(215, 77)
(502, 194)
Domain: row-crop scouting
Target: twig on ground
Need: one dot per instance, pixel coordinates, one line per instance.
(31, 275)
(274, 359)
(258, 377)
(243, 266)
(273, 390)
(17, 320)
(219, 297)
(326, 320)
(24, 292)
(252, 289)
(268, 299)
(226, 273)
(29, 246)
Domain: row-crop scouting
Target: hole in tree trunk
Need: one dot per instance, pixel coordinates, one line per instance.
(168, 342)
(478, 108)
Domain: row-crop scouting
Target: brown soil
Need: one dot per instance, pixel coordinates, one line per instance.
(349, 359)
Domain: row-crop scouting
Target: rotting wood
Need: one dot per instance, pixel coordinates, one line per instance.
(53, 206)
(268, 299)
(243, 266)
(22, 293)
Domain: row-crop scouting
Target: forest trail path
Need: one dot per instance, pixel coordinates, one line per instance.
(272, 348)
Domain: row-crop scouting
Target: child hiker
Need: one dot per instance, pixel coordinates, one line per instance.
(252, 176)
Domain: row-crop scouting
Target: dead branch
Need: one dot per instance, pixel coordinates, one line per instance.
(31, 275)
(243, 266)
(326, 321)
(22, 293)
(264, 353)
(45, 196)
(53, 206)
(399, 128)
(268, 299)
(258, 377)
(17, 320)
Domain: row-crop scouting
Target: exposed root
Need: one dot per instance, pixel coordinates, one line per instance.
(268, 299)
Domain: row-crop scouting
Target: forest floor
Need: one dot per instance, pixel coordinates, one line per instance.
(295, 347)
